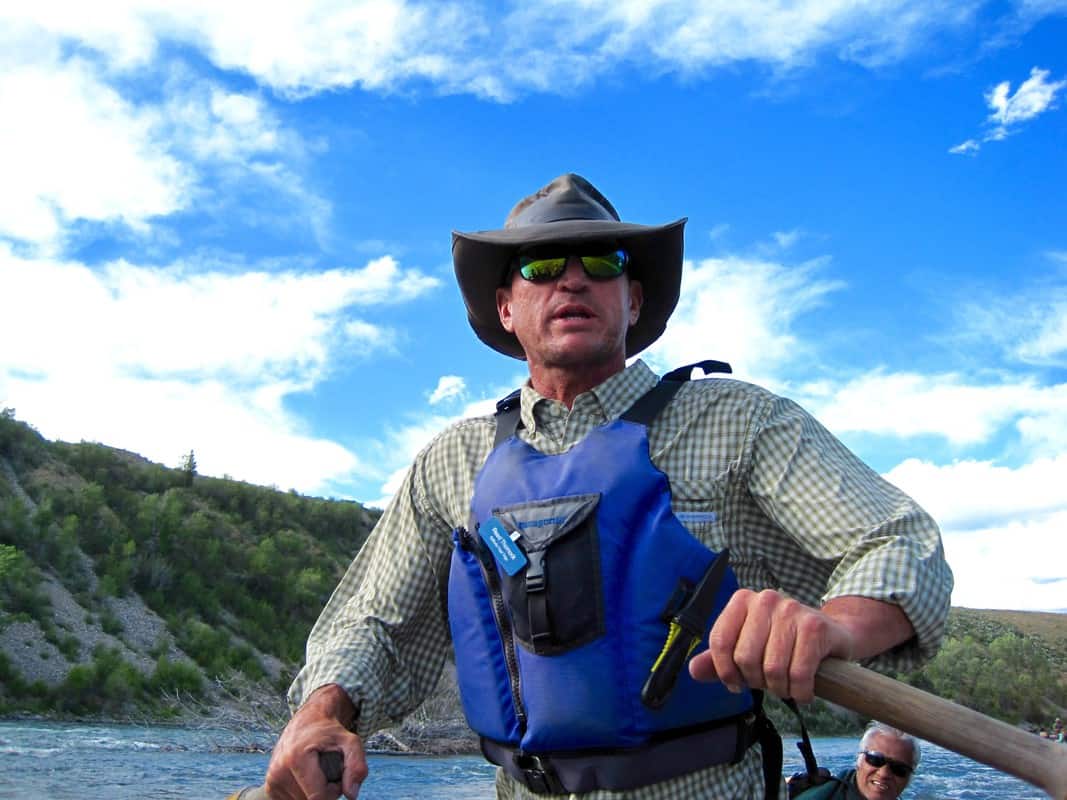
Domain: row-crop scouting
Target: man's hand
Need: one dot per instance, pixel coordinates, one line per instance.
(321, 725)
(765, 640)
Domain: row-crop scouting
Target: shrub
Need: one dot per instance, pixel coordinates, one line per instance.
(176, 676)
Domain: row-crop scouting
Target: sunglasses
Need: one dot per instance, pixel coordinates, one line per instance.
(600, 266)
(877, 760)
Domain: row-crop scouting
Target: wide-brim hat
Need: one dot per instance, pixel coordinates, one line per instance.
(569, 210)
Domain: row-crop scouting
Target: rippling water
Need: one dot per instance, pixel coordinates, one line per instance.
(44, 761)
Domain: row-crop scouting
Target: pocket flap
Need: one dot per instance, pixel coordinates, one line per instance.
(541, 522)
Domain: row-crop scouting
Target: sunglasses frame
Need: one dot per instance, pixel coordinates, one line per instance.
(562, 254)
(899, 768)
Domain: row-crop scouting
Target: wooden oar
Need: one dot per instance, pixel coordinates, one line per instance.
(1037, 761)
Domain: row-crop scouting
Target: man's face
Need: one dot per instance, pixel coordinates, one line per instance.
(881, 783)
(572, 322)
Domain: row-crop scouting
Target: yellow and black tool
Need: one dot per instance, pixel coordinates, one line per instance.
(685, 633)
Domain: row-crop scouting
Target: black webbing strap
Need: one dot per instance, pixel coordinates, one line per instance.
(647, 406)
(813, 774)
(771, 751)
(708, 365)
(507, 417)
(643, 411)
(811, 766)
(563, 773)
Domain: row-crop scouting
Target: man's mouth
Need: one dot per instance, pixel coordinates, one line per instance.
(573, 312)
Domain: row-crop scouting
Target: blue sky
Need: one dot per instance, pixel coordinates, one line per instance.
(228, 230)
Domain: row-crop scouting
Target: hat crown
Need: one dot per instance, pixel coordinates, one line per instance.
(567, 197)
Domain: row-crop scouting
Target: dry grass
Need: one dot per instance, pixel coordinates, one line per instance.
(1047, 625)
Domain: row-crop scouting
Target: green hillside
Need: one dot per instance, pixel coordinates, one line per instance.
(98, 544)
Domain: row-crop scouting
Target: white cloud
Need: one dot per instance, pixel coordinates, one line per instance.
(907, 404)
(1048, 343)
(401, 444)
(486, 49)
(1027, 325)
(968, 494)
(72, 148)
(448, 387)
(784, 240)
(164, 360)
(741, 310)
(1009, 111)
(969, 147)
(1033, 97)
(1018, 565)
(163, 322)
(1003, 528)
(718, 231)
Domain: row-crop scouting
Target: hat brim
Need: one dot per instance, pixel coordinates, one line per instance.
(482, 259)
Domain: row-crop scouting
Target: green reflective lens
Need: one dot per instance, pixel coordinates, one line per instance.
(541, 269)
(608, 265)
(599, 266)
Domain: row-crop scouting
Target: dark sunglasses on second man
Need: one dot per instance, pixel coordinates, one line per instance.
(541, 266)
(877, 760)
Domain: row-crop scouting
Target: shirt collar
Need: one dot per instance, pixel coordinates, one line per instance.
(611, 398)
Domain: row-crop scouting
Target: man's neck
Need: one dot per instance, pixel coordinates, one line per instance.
(565, 384)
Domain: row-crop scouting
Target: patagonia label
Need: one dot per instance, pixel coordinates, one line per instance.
(499, 542)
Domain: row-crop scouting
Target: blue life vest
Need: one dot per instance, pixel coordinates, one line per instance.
(551, 660)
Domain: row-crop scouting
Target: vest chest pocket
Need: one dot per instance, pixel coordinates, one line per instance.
(556, 601)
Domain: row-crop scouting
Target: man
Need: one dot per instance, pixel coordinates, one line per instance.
(886, 761)
(568, 538)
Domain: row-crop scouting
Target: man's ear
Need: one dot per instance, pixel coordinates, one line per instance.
(503, 307)
(637, 299)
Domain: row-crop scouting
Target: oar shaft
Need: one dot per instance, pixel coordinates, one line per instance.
(954, 727)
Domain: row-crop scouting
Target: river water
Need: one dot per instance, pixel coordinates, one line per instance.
(46, 761)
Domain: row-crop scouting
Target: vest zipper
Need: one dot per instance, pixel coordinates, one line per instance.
(470, 543)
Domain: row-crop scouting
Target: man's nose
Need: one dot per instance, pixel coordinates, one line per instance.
(573, 272)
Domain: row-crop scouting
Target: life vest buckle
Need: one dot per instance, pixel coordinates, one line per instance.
(538, 774)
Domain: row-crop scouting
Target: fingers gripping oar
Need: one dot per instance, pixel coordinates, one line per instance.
(331, 762)
(1037, 761)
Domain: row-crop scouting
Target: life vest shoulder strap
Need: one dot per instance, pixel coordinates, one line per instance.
(645, 409)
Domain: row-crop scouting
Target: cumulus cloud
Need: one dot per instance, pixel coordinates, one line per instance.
(102, 134)
(741, 310)
(994, 515)
(305, 48)
(968, 494)
(448, 387)
(1017, 565)
(170, 321)
(162, 360)
(72, 148)
(1010, 110)
(904, 404)
(1034, 96)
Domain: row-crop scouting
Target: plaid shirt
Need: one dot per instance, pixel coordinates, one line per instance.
(748, 470)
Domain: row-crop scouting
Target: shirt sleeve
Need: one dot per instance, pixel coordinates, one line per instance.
(383, 635)
(872, 539)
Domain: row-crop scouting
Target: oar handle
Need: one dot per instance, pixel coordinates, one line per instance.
(954, 727)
